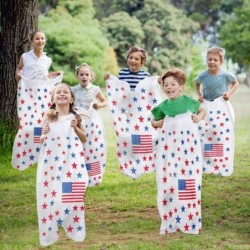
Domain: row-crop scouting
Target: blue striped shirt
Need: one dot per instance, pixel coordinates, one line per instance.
(132, 78)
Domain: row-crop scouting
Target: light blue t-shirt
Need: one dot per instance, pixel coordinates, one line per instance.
(214, 86)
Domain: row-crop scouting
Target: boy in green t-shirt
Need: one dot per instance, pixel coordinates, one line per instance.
(178, 157)
(173, 81)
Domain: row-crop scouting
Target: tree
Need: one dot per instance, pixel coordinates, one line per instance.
(74, 39)
(235, 37)
(207, 13)
(18, 19)
(163, 30)
(123, 31)
(168, 35)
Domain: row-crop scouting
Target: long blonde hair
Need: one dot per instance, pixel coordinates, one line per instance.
(52, 114)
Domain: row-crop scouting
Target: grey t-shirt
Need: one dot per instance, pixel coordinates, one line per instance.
(214, 86)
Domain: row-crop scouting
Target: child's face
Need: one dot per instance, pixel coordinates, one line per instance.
(62, 95)
(84, 76)
(172, 88)
(38, 41)
(213, 62)
(134, 61)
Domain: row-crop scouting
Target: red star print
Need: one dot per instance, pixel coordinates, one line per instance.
(44, 220)
(165, 217)
(74, 165)
(50, 216)
(114, 103)
(53, 193)
(190, 216)
(68, 174)
(76, 219)
(164, 202)
(186, 227)
(164, 179)
(136, 127)
(141, 119)
(70, 229)
(170, 213)
(44, 205)
(46, 184)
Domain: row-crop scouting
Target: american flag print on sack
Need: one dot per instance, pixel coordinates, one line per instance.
(213, 150)
(95, 148)
(33, 99)
(73, 192)
(217, 137)
(131, 115)
(93, 168)
(142, 144)
(179, 175)
(186, 189)
(62, 180)
(37, 134)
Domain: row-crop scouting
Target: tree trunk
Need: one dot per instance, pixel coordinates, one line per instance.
(18, 19)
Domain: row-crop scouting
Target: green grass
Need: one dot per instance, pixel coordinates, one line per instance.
(122, 214)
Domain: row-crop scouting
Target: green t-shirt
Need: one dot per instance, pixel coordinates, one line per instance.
(175, 107)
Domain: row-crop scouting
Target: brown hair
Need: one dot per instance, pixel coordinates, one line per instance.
(88, 67)
(32, 35)
(217, 50)
(142, 51)
(178, 74)
(52, 113)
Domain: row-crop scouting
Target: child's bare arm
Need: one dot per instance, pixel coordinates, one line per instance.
(103, 101)
(106, 77)
(45, 129)
(157, 124)
(19, 69)
(198, 91)
(198, 117)
(228, 94)
(79, 130)
(55, 73)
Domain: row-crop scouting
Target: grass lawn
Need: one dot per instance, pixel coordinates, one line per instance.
(122, 214)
